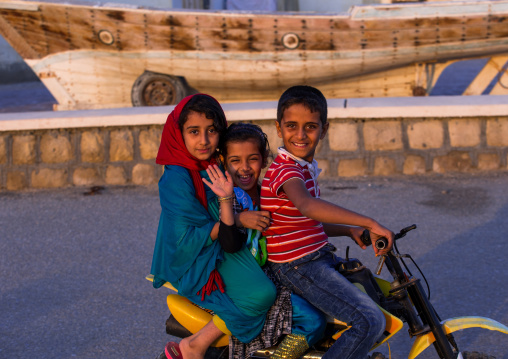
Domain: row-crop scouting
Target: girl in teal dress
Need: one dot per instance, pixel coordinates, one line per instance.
(188, 253)
(245, 151)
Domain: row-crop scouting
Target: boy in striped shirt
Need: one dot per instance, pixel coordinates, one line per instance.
(297, 239)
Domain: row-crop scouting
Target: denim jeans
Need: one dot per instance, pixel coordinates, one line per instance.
(315, 278)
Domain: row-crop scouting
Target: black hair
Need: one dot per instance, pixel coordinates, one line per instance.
(241, 132)
(308, 96)
(209, 107)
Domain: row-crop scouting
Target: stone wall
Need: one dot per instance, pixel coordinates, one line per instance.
(118, 147)
(79, 157)
(358, 147)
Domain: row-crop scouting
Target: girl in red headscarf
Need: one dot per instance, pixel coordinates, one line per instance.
(188, 251)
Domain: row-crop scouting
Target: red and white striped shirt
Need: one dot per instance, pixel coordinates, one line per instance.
(291, 235)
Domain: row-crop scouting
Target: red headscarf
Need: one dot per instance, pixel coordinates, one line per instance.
(172, 150)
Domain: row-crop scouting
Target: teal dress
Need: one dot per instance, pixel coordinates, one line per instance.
(185, 255)
(306, 319)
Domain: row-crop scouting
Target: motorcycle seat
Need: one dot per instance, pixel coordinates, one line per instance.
(192, 316)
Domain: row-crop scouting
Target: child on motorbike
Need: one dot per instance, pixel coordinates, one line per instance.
(188, 250)
(245, 151)
(297, 240)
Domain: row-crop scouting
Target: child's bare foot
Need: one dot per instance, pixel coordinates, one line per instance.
(190, 350)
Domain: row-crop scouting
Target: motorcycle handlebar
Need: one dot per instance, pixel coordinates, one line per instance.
(382, 243)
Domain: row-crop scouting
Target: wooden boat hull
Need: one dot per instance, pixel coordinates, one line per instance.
(90, 57)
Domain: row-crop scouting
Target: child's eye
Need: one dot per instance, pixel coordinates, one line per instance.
(212, 130)
(193, 132)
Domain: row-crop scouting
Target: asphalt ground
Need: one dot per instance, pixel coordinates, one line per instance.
(73, 264)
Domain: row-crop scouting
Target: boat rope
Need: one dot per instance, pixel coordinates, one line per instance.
(500, 72)
(430, 69)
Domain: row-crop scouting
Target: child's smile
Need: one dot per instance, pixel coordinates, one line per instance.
(301, 130)
(245, 180)
(244, 163)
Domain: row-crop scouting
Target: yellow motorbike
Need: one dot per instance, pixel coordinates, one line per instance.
(401, 300)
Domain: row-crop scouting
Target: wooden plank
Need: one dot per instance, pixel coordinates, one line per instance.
(485, 76)
(64, 99)
(489, 72)
(18, 42)
(19, 6)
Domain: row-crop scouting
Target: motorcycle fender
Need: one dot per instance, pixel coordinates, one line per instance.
(384, 285)
(393, 324)
(452, 325)
(194, 318)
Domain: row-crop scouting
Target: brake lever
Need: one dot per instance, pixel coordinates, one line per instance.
(379, 266)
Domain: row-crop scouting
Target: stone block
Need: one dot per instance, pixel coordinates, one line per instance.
(464, 133)
(488, 161)
(382, 135)
(414, 165)
(452, 162)
(92, 147)
(116, 176)
(159, 170)
(23, 149)
(271, 132)
(324, 165)
(384, 166)
(86, 177)
(426, 134)
(497, 132)
(149, 141)
(16, 181)
(121, 146)
(343, 136)
(55, 148)
(352, 167)
(49, 178)
(3, 149)
(143, 174)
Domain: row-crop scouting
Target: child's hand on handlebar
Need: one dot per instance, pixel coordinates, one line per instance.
(355, 234)
(378, 231)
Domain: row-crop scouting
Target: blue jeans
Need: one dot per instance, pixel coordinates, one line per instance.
(315, 278)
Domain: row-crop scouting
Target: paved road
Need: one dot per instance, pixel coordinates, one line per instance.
(73, 265)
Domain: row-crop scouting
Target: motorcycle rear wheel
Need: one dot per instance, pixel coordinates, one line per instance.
(476, 355)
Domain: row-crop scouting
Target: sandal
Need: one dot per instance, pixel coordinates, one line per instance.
(173, 351)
